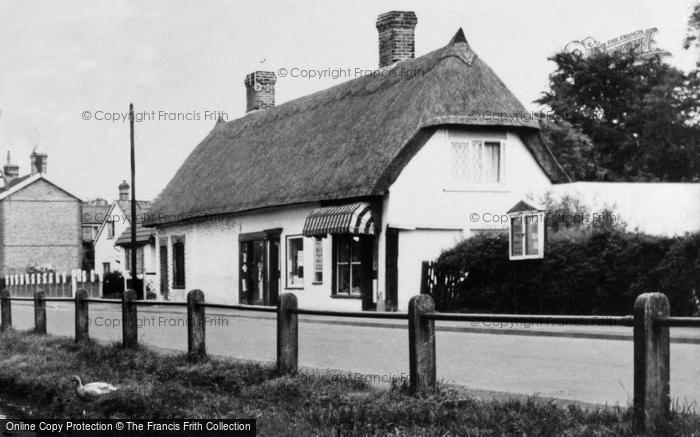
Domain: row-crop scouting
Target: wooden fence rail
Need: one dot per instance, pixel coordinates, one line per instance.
(650, 322)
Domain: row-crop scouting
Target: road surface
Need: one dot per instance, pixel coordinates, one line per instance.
(591, 370)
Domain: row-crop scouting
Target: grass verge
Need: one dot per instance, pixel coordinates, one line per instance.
(35, 370)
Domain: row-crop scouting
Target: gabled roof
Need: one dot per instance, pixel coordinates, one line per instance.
(143, 236)
(349, 141)
(26, 180)
(523, 206)
(142, 208)
(94, 214)
(14, 182)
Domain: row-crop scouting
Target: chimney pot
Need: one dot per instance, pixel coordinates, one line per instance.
(38, 159)
(10, 171)
(396, 36)
(260, 90)
(124, 191)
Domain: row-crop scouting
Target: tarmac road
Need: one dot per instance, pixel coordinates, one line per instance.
(546, 361)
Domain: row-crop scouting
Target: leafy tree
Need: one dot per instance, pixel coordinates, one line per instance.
(573, 149)
(692, 38)
(637, 112)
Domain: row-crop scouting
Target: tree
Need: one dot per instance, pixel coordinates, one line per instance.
(639, 114)
(692, 38)
(573, 149)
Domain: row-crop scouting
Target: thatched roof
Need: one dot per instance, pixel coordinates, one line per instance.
(349, 141)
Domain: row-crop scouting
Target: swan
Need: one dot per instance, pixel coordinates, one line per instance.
(92, 391)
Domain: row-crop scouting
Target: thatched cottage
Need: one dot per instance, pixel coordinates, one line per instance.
(338, 196)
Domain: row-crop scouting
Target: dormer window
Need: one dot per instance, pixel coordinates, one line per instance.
(477, 161)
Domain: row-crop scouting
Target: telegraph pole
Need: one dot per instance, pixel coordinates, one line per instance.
(139, 290)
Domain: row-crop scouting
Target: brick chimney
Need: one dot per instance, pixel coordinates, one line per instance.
(39, 159)
(124, 191)
(396, 36)
(10, 171)
(260, 90)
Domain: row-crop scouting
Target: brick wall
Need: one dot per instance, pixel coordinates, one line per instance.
(41, 225)
(396, 36)
(260, 90)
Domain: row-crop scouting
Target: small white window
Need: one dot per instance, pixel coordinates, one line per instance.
(478, 162)
(295, 262)
(527, 235)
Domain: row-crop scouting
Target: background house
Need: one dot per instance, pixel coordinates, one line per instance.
(145, 255)
(109, 256)
(92, 218)
(40, 223)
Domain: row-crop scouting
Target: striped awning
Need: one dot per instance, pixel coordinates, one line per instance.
(354, 218)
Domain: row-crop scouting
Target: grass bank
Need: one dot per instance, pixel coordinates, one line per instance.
(36, 370)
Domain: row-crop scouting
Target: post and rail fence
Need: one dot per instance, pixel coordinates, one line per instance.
(650, 321)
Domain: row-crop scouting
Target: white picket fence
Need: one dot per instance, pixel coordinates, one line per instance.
(55, 284)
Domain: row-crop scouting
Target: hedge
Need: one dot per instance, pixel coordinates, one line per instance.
(596, 272)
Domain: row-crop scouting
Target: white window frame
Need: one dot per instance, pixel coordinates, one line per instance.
(521, 215)
(349, 263)
(462, 183)
(288, 264)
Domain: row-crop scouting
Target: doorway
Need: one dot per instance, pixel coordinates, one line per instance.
(392, 269)
(259, 267)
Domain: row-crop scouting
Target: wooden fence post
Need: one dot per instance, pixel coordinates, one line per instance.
(82, 321)
(652, 401)
(421, 344)
(39, 312)
(196, 339)
(287, 334)
(5, 310)
(129, 319)
(424, 277)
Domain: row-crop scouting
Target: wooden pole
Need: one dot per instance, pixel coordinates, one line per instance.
(39, 312)
(129, 319)
(424, 278)
(196, 320)
(287, 334)
(139, 290)
(82, 321)
(652, 401)
(5, 310)
(421, 344)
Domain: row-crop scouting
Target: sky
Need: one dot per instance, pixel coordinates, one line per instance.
(65, 66)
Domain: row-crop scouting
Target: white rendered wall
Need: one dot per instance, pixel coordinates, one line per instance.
(105, 250)
(659, 208)
(212, 251)
(434, 212)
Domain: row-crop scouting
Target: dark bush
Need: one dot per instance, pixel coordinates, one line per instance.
(584, 271)
(113, 285)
